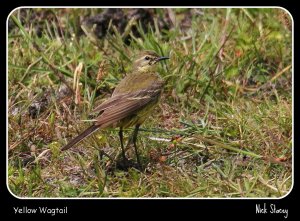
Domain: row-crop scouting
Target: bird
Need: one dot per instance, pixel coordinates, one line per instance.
(131, 102)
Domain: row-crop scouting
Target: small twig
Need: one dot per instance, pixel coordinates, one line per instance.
(263, 86)
(160, 139)
(41, 155)
(279, 74)
(261, 179)
(228, 147)
(76, 86)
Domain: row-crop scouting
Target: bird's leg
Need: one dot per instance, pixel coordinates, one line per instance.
(122, 146)
(129, 140)
(134, 137)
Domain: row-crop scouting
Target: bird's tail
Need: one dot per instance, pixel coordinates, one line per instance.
(81, 136)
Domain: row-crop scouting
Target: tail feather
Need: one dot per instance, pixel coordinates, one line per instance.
(81, 136)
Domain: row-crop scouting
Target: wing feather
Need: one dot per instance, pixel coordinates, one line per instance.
(125, 105)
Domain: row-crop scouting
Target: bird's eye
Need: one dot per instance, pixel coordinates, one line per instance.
(147, 58)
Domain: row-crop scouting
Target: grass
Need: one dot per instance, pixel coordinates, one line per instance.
(223, 127)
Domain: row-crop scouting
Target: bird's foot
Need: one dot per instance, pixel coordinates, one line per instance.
(125, 164)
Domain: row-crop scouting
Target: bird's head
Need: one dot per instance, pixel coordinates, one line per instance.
(146, 61)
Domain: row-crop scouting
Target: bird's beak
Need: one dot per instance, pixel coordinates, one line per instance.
(161, 58)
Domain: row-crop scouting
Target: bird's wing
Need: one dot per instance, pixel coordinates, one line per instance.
(109, 103)
(124, 105)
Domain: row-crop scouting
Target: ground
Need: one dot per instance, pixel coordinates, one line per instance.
(223, 127)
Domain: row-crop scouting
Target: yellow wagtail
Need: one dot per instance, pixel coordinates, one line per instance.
(131, 102)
